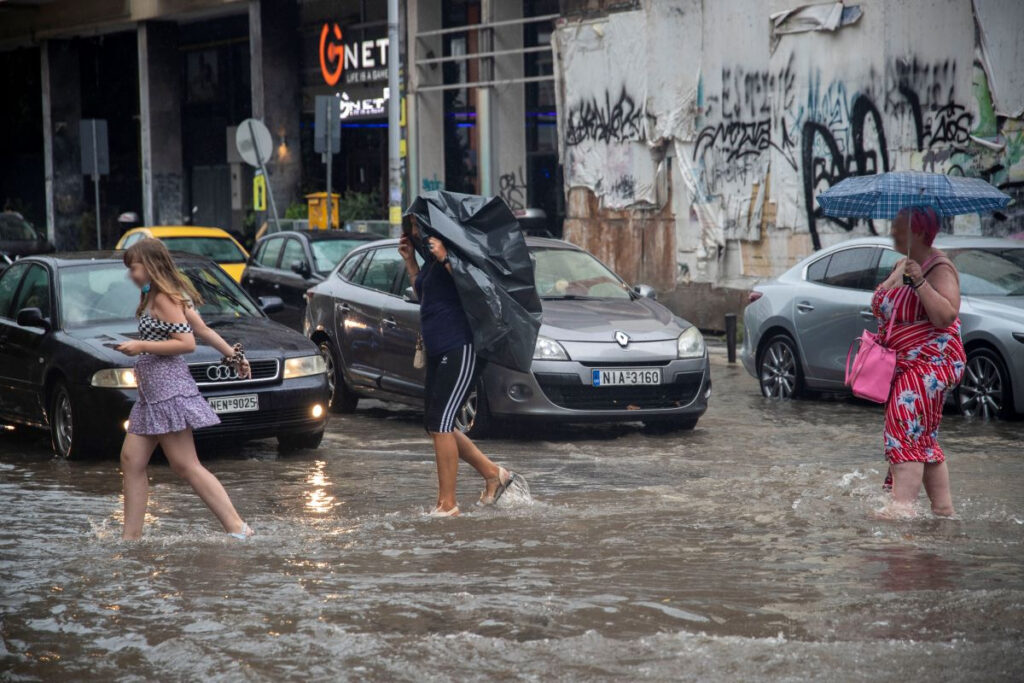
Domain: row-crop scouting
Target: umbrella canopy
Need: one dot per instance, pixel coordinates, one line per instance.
(885, 194)
(492, 269)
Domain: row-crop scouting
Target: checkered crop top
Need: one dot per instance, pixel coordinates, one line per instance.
(154, 329)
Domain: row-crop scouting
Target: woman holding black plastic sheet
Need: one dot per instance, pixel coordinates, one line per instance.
(452, 370)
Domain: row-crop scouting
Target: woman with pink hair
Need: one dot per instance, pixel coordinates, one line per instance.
(918, 318)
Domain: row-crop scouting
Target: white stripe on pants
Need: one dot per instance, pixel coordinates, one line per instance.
(461, 388)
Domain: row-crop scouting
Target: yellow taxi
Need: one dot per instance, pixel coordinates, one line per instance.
(212, 243)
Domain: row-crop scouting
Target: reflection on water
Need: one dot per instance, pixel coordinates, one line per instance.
(318, 497)
(746, 549)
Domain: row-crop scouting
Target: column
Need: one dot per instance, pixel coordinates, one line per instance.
(160, 95)
(62, 154)
(425, 111)
(276, 95)
(508, 110)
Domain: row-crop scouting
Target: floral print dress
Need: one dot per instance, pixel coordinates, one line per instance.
(929, 362)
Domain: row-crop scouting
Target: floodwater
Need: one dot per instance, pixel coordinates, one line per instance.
(746, 549)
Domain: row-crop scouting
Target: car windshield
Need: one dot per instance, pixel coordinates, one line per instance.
(327, 253)
(990, 272)
(101, 292)
(15, 228)
(572, 274)
(220, 249)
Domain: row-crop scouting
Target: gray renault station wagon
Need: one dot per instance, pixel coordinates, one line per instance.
(607, 352)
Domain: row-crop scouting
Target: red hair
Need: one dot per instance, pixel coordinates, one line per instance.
(924, 221)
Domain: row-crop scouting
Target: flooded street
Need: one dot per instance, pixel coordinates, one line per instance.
(745, 549)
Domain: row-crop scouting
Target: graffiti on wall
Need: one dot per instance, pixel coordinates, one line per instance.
(432, 184)
(512, 188)
(611, 118)
(835, 131)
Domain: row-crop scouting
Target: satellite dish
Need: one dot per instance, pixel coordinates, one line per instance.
(254, 143)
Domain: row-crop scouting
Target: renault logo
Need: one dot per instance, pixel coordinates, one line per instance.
(622, 338)
(220, 373)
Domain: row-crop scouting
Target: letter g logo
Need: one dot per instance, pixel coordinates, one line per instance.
(331, 53)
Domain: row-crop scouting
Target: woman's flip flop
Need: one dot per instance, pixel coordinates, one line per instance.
(438, 512)
(244, 534)
(504, 479)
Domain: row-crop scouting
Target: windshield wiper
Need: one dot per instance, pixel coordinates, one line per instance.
(228, 295)
(570, 297)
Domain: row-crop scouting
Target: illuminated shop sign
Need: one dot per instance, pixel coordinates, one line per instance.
(363, 108)
(361, 61)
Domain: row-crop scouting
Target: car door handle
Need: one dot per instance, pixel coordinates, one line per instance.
(867, 314)
(342, 308)
(804, 307)
(277, 285)
(390, 322)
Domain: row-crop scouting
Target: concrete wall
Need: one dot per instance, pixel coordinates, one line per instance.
(62, 159)
(701, 114)
(160, 95)
(508, 106)
(276, 95)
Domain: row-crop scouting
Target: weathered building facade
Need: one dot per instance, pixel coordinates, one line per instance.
(694, 135)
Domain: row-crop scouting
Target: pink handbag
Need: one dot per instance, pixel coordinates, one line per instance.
(873, 369)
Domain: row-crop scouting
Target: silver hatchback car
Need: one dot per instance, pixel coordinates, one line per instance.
(799, 326)
(606, 352)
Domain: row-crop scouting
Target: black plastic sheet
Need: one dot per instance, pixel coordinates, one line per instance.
(492, 270)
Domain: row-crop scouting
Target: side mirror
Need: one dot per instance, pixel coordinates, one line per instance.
(300, 267)
(33, 317)
(646, 291)
(409, 294)
(271, 304)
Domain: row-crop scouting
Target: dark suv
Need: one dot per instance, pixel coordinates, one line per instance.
(286, 264)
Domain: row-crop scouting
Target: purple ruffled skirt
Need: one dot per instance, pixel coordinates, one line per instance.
(169, 400)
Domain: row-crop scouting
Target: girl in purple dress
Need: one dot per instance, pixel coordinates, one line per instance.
(169, 405)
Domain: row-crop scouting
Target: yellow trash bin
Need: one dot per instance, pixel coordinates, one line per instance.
(317, 203)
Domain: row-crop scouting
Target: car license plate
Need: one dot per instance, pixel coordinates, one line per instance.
(234, 404)
(616, 377)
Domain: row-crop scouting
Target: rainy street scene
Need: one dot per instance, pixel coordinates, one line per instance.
(467, 340)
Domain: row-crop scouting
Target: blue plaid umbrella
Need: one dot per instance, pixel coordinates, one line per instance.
(884, 194)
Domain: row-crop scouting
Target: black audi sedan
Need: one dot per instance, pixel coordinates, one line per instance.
(63, 315)
(286, 264)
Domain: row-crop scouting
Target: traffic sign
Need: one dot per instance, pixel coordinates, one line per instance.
(259, 192)
(95, 151)
(254, 143)
(327, 125)
(92, 134)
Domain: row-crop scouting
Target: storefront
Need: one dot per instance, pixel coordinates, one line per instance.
(344, 51)
(481, 101)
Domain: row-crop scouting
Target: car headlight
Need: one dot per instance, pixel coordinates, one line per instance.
(690, 344)
(304, 366)
(549, 349)
(114, 378)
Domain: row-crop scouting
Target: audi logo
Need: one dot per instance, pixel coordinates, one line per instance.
(221, 373)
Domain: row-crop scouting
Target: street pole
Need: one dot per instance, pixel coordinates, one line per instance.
(394, 133)
(96, 184)
(266, 176)
(329, 161)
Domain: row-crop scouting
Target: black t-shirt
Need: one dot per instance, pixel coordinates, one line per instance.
(443, 322)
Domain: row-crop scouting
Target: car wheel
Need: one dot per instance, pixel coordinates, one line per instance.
(69, 437)
(778, 369)
(474, 417)
(342, 399)
(985, 389)
(295, 442)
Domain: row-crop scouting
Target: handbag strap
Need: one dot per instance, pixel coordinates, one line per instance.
(849, 356)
